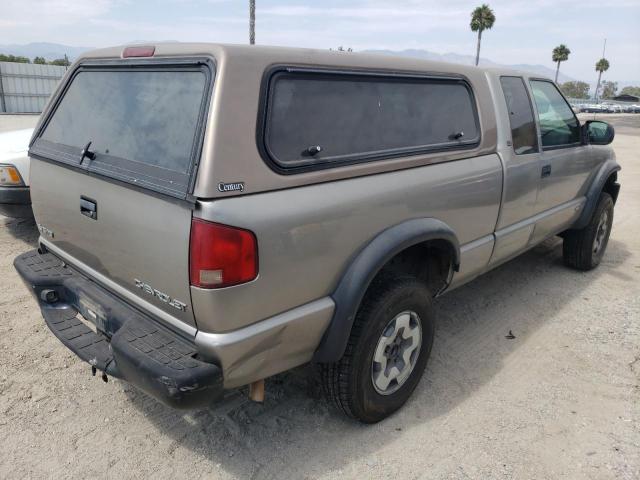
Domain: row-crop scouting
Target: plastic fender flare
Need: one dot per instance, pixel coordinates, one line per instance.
(363, 268)
(593, 194)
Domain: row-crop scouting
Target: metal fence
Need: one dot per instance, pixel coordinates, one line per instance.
(26, 87)
(610, 101)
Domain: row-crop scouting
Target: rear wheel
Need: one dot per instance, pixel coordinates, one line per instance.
(583, 249)
(387, 351)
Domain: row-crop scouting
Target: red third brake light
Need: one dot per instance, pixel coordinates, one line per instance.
(221, 256)
(139, 51)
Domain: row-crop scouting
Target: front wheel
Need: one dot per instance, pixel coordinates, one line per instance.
(583, 249)
(387, 351)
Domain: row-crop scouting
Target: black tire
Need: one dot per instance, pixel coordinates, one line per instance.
(349, 383)
(579, 248)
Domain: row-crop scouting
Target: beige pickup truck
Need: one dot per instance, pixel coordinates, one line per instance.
(212, 215)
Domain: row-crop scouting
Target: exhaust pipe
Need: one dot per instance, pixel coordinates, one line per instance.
(256, 391)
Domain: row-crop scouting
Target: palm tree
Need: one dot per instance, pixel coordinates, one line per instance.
(560, 54)
(482, 18)
(601, 66)
(252, 22)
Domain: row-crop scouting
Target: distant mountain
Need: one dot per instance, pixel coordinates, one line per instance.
(470, 60)
(50, 51)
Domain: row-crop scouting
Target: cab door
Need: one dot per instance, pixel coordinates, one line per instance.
(518, 145)
(565, 162)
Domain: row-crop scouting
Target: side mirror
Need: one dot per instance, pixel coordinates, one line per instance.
(598, 133)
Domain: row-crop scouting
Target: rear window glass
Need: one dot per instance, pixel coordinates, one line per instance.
(142, 123)
(322, 118)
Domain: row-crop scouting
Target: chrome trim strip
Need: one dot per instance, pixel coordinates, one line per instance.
(527, 222)
(476, 243)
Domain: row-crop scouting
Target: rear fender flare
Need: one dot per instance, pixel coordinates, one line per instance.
(363, 268)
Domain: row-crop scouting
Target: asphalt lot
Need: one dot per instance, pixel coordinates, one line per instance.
(560, 401)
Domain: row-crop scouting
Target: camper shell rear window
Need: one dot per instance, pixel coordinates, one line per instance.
(145, 122)
(320, 119)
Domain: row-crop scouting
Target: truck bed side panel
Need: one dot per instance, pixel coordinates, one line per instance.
(306, 236)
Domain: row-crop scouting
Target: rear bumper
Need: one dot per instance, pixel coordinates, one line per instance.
(126, 344)
(15, 202)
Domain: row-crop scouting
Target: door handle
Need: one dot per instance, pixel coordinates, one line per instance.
(546, 171)
(88, 207)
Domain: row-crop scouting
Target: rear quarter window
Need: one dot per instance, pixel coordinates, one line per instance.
(523, 128)
(316, 120)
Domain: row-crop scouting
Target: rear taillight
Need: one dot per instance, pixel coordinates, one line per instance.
(221, 256)
(139, 51)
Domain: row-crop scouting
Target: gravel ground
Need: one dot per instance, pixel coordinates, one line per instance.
(561, 400)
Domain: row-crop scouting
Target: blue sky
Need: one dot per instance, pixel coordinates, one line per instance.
(525, 31)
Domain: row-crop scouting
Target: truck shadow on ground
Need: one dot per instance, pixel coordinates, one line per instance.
(296, 430)
(23, 229)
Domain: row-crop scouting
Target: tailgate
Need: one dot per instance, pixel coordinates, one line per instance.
(112, 168)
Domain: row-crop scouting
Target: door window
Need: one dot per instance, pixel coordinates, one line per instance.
(559, 126)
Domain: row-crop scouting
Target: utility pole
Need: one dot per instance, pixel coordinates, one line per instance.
(252, 22)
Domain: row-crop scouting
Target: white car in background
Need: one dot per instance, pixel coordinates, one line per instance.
(15, 200)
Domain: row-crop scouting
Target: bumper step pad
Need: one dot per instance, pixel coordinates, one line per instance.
(127, 344)
(90, 346)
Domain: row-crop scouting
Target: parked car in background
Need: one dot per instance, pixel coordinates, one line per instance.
(15, 200)
(592, 108)
(212, 215)
(632, 108)
(609, 108)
